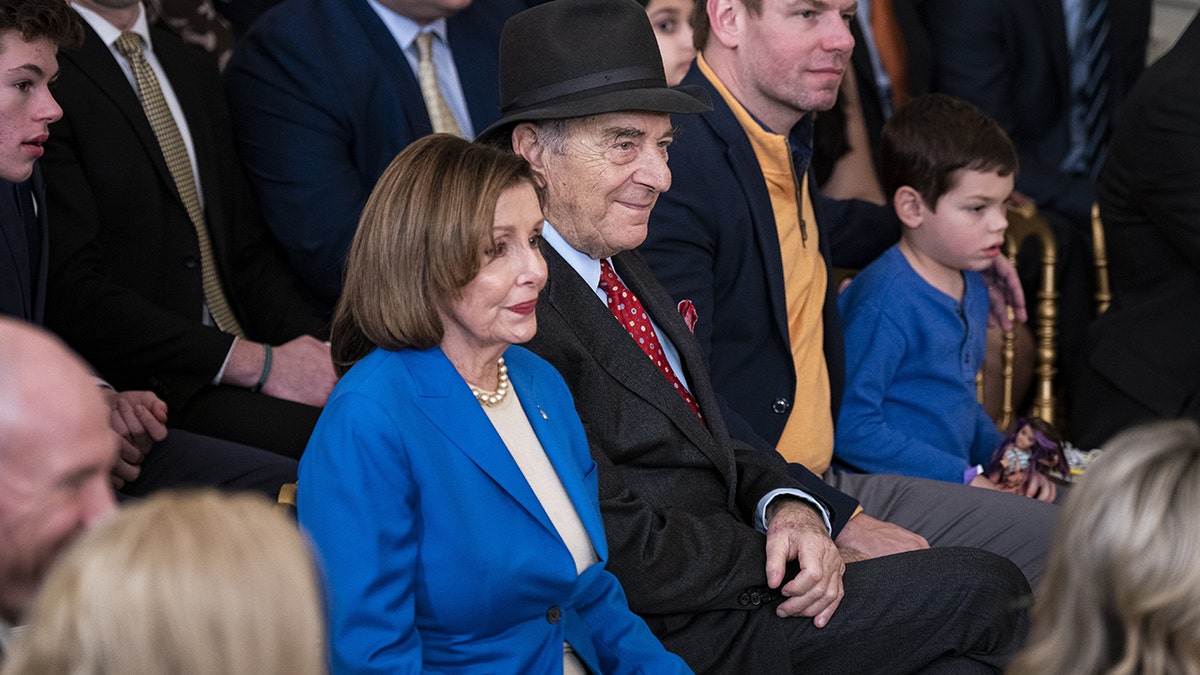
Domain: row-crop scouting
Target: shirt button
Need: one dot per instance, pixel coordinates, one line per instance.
(781, 406)
(191, 262)
(554, 615)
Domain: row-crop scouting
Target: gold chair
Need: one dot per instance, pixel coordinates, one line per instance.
(287, 499)
(1025, 222)
(1100, 255)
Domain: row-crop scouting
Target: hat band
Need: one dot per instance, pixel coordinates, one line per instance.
(653, 77)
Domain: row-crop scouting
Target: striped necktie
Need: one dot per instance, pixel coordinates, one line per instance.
(440, 115)
(1093, 92)
(175, 153)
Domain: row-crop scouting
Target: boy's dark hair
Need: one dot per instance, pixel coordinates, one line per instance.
(935, 135)
(51, 19)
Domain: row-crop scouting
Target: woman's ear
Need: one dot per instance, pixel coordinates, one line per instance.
(909, 205)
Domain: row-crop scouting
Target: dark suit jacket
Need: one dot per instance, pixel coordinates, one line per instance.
(323, 99)
(1143, 353)
(713, 240)
(1010, 58)
(125, 287)
(19, 296)
(678, 498)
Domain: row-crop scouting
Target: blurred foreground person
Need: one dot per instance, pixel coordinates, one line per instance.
(1122, 590)
(182, 583)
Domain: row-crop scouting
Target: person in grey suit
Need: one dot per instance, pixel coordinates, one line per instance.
(735, 563)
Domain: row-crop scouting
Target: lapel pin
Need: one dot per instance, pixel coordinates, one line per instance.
(543, 413)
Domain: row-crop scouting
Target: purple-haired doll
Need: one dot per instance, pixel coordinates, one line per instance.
(1032, 445)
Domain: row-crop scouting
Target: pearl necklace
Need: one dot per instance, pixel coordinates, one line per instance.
(492, 399)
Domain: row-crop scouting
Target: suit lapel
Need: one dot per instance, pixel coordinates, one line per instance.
(739, 153)
(38, 300)
(695, 367)
(96, 63)
(1054, 23)
(543, 417)
(15, 249)
(613, 349)
(388, 56)
(445, 400)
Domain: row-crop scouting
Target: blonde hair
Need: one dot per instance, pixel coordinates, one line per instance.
(421, 239)
(1121, 593)
(181, 583)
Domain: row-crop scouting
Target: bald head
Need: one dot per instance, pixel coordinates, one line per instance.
(56, 452)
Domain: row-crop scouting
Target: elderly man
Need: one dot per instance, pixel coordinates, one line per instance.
(747, 239)
(717, 546)
(56, 452)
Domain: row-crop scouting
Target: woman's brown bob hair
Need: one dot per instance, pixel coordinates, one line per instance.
(422, 237)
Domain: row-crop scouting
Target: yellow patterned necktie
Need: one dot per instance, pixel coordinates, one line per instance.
(440, 115)
(175, 153)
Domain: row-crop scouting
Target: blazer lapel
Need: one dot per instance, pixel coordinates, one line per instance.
(615, 351)
(14, 249)
(1054, 23)
(446, 401)
(739, 153)
(388, 57)
(695, 366)
(96, 62)
(543, 416)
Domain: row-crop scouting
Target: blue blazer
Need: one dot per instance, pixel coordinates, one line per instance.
(438, 554)
(323, 98)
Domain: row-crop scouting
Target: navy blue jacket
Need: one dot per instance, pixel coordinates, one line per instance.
(713, 241)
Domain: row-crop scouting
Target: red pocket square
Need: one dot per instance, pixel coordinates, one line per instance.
(688, 311)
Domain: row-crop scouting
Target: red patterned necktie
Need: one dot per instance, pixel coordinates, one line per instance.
(625, 306)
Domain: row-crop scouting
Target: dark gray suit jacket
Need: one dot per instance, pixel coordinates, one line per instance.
(677, 498)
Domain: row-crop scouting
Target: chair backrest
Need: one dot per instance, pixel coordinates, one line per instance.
(1100, 254)
(1023, 223)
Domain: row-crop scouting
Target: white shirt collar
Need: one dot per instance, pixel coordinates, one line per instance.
(405, 30)
(109, 33)
(583, 264)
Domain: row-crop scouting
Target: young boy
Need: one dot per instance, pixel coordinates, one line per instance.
(916, 319)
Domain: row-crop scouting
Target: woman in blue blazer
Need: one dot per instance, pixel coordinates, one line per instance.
(448, 485)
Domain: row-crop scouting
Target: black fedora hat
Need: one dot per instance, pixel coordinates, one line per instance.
(572, 58)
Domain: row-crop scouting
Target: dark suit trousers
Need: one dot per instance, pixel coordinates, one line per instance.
(187, 460)
(898, 614)
(257, 420)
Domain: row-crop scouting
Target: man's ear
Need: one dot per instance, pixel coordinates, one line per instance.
(527, 143)
(909, 205)
(725, 18)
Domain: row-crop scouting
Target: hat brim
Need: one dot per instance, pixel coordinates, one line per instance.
(687, 98)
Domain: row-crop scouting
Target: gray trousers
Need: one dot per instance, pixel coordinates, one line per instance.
(946, 514)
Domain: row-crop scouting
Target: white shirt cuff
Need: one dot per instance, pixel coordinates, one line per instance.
(225, 363)
(760, 513)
